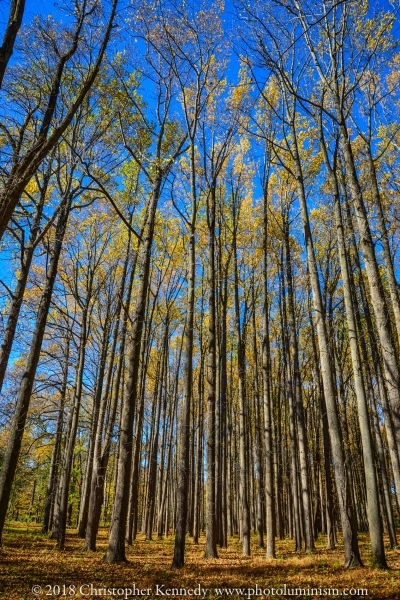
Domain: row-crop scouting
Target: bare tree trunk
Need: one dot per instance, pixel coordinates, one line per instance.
(352, 554)
(153, 458)
(199, 448)
(270, 521)
(240, 341)
(184, 430)
(301, 429)
(116, 546)
(95, 424)
(133, 498)
(55, 457)
(292, 423)
(374, 412)
(135, 475)
(382, 392)
(330, 532)
(389, 353)
(102, 448)
(373, 509)
(18, 295)
(61, 512)
(258, 426)
(211, 546)
(14, 23)
(163, 450)
(13, 448)
(277, 454)
(223, 408)
(163, 507)
(383, 234)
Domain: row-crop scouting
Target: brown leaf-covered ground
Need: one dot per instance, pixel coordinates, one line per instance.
(28, 558)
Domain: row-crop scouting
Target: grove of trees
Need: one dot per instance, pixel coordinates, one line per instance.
(200, 308)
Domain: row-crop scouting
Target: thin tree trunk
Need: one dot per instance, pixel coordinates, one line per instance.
(13, 448)
(211, 546)
(384, 239)
(389, 353)
(382, 393)
(199, 448)
(330, 532)
(184, 429)
(18, 295)
(258, 441)
(55, 457)
(301, 429)
(95, 424)
(135, 476)
(14, 23)
(240, 341)
(153, 458)
(61, 513)
(102, 449)
(116, 545)
(352, 554)
(140, 440)
(373, 511)
(267, 400)
(292, 424)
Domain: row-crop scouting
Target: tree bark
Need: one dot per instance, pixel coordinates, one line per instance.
(14, 23)
(18, 295)
(373, 509)
(352, 554)
(55, 457)
(301, 429)
(61, 512)
(95, 425)
(211, 546)
(103, 446)
(13, 448)
(184, 430)
(116, 545)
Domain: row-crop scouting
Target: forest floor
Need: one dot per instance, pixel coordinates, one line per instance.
(31, 567)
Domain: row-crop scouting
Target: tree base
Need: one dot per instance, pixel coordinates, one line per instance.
(86, 548)
(210, 554)
(353, 562)
(112, 558)
(176, 565)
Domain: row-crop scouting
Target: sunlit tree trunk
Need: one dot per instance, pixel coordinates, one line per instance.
(352, 554)
(373, 509)
(116, 545)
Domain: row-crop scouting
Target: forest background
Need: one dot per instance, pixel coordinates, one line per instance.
(200, 313)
